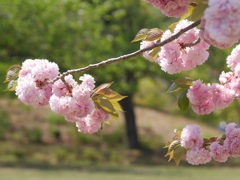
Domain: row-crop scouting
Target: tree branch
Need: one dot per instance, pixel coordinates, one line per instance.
(127, 56)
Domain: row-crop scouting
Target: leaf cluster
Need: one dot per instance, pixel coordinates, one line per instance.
(181, 85)
(107, 100)
(12, 77)
(175, 150)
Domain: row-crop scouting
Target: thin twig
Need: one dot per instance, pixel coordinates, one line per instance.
(193, 4)
(191, 44)
(67, 85)
(127, 56)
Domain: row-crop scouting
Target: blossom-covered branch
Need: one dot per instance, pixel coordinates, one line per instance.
(128, 56)
(200, 150)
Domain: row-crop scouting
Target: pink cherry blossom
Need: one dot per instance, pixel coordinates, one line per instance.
(199, 92)
(33, 87)
(91, 123)
(98, 115)
(39, 69)
(222, 96)
(232, 82)
(30, 94)
(204, 35)
(179, 55)
(198, 156)
(205, 107)
(200, 95)
(191, 137)
(170, 58)
(233, 139)
(87, 81)
(171, 8)
(221, 23)
(218, 152)
(207, 98)
(230, 128)
(224, 78)
(75, 103)
(232, 133)
(60, 89)
(234, 59)
(234, 147)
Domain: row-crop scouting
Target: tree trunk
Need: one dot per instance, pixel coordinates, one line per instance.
(131, 128)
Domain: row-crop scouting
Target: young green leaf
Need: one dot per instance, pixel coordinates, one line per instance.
(107, 107)
(173, 145)
(183, 101)
(201, 1)
(154, 52)
(153, 34)
(179, 152)
(183, 82)
(189, 13)
(198, 12)
(141, 35)
(106, 104)
(12, 72)
(100, 89)
(172, 26)
(12, 84)
(116, 105)
(107, 99)
(172, 88)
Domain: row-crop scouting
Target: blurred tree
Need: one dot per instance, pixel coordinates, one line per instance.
(76, 33)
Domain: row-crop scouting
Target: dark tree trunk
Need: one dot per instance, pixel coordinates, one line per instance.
(131, 128)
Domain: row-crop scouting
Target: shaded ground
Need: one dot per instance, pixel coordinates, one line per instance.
(38, 136)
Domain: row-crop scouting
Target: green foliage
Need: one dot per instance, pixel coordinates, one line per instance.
(183, 101)
(148, 35)
(92, 154)
(198, 11)
(85, 138)
(182, 85)
(77, 33)
(62, 155)
(107, 99)
(151, 141)
(55, 119)
(4, 123)
(35, 135)
(152, 93)
(115, 139)
(12, 77)
(116, 157)
(54, 131)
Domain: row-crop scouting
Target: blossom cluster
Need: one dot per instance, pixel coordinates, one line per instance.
(220, 23)
(171, 8)
(200, 152)
(205, 98)
(72, 101)
(32, 88)
(179, 55)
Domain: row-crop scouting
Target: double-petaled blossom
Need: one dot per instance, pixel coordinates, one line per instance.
(171, 8)
(221, 23)
(33, 87)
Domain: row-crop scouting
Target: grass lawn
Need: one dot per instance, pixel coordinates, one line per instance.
(123, 173)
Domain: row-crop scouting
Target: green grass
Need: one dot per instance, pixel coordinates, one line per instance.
(122, 173)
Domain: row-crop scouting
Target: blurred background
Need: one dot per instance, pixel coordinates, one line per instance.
(37, 143)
